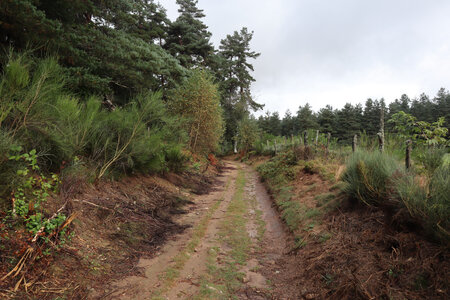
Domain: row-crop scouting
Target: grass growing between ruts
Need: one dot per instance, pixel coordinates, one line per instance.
(223, 280)
(172, 272)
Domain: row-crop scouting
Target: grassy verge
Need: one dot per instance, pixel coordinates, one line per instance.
(377, 179)
(172, 272)
(279, 174)
(222, 281)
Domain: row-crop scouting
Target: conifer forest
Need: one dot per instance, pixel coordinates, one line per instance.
(137, 162)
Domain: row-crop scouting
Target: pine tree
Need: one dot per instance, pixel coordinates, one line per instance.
(236, 79)
(288, 124)
(188, 37)
(442, 106)
(107, 47)
(306, 118)
(326, 119)
(348, 122)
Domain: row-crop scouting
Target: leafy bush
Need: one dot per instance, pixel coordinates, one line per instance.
(367, 176)
(197, 100)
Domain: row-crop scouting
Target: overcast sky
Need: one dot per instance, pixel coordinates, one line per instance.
(337, 51)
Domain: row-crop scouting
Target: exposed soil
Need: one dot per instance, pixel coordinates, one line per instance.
(361, 257)
(143, 287)
(152, 238)
(118, 223)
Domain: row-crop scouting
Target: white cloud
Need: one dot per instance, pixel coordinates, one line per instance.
(333, 52)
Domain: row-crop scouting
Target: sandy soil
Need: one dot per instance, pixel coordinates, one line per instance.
(265, 251)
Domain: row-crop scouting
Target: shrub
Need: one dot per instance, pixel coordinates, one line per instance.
(8, 168)
(198, 102)
(428, 203)
(367, 176)
(38, 113)
(175, 158)
(432, 159)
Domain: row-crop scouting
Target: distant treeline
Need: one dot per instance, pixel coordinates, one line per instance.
(352, 119)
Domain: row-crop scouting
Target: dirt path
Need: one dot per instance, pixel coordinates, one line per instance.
(235, 237)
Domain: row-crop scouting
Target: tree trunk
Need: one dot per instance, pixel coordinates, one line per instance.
(305, 138)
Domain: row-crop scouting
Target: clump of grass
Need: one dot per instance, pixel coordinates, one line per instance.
(324, 237)
(432, 159)
(368, 176)
(324, 198)
(428, 203)
(376, 179)
(291, 213)
(299, 242)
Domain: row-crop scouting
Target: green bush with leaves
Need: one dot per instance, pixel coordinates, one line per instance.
(197, 101)
(247, 134)
(31, 191)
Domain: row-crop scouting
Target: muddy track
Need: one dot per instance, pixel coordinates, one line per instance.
(235, 237)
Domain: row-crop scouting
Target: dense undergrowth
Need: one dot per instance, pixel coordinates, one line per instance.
(417, 196)
(53, 141)
(373, 230)
(377, 179)
(280, 174)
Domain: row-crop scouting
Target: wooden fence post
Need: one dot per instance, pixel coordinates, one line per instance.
(354, 142)
(381, 133)
(408, 154)
(328, 141)
(275, 143)
(317, 137)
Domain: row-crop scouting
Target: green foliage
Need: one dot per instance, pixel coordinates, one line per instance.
(432, 159)
(431, 134)
(375, 179)
(8, 168)
(188, 38)
(368, 175)
(176, 160)
(132, 138)
(234, 75)
(43, 116)
(247, 134)
(32, 190)
(323, 199)
(106, 46)
(428, 203)
(197, 101)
